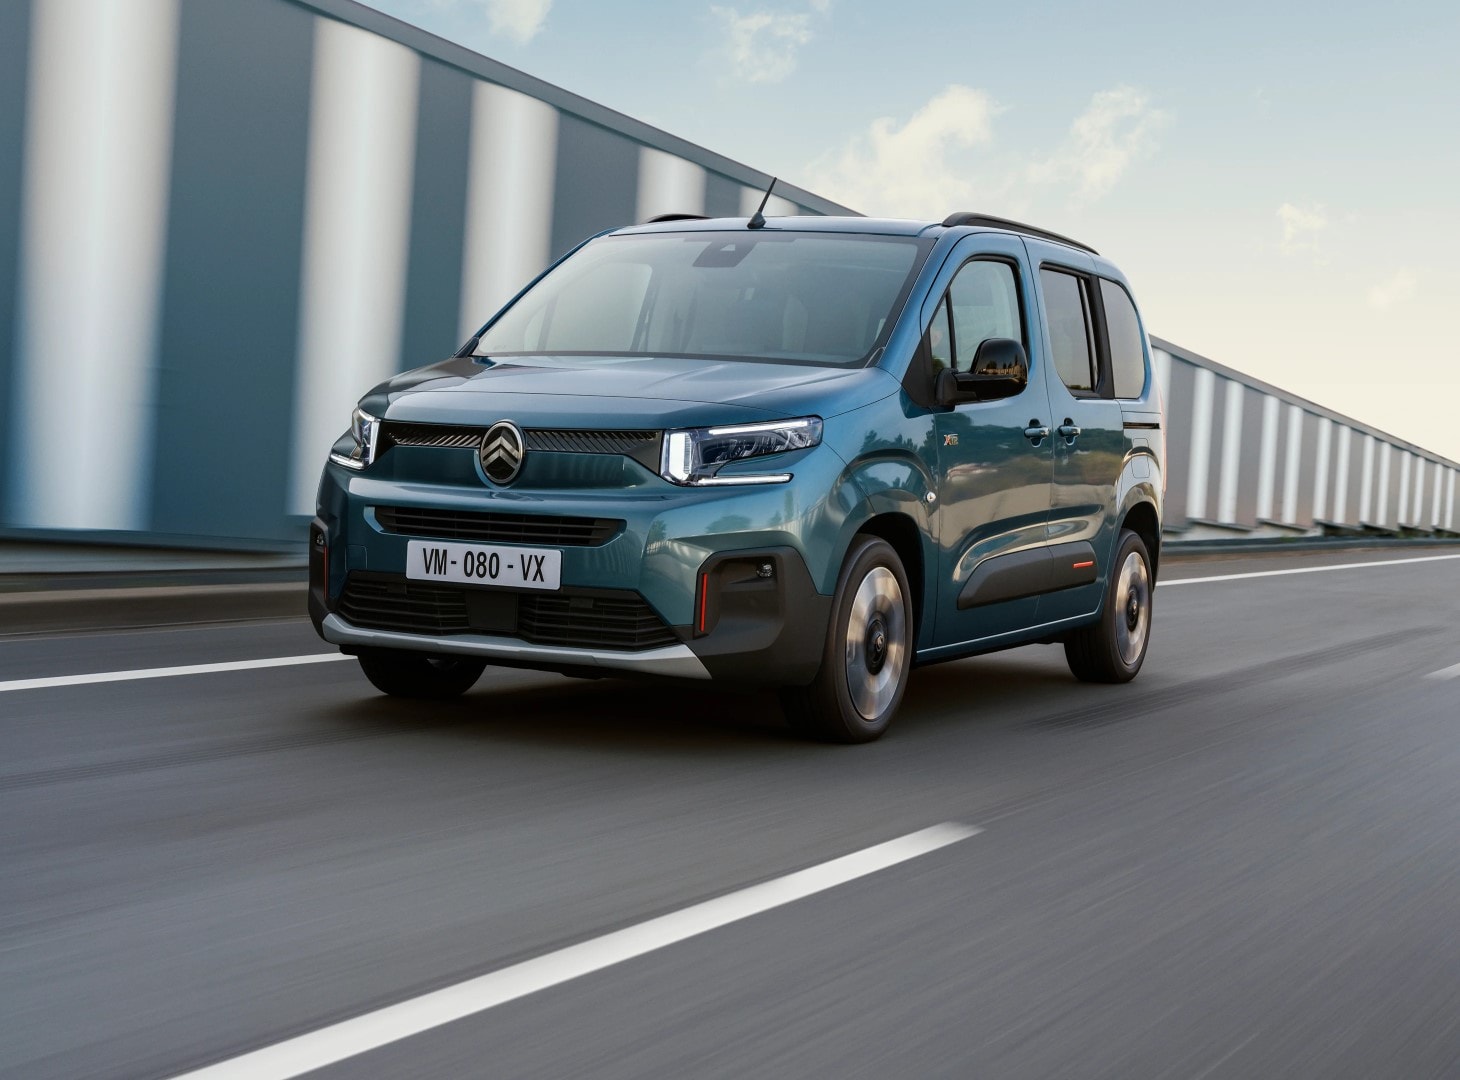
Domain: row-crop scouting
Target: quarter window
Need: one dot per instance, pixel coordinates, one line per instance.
(940, 341)
(1067, 305)
(1127, 355)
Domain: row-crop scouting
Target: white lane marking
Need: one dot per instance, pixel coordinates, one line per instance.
(1305, 570)
(1451, 672)
(169, 672)
(394, 1022)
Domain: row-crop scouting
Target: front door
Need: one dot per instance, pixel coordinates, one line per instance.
(994, 465)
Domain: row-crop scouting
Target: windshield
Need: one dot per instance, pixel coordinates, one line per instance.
(807, 298)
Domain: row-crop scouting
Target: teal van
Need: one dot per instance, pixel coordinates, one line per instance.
(802, 453)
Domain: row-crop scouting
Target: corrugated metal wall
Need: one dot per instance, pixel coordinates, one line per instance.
(1246, 459)
(235, 215)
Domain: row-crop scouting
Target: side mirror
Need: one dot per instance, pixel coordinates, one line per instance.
(1000, 370)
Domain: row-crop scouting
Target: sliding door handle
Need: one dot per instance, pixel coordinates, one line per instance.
(1069, 430)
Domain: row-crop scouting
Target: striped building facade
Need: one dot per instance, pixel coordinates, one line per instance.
(1246, 459)
(221, 220)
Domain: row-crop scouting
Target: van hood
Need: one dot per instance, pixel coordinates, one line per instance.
(622, 392)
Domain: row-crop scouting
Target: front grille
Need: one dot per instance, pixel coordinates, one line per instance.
(397, 434)
(416, 607)
(614, 619)
(643, 445)
(498, 528)
(627, 443)
(605, 622)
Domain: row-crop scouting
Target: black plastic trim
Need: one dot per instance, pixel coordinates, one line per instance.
(760, 631)
(318, 572)
(618, 620)
(641, 445)
(1006, 577)
(497, 528)
(1072, 565)
(954, 220)
(1021, 574)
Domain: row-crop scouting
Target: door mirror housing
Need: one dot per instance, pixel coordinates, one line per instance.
(1000, 370)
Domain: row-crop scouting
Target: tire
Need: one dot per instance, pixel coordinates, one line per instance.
(1113, 649)
(868, 652)
(419, 675)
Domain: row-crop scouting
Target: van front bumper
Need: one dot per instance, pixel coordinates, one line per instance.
(673, 661)
(695, 584)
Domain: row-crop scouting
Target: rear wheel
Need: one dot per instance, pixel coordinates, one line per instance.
(1113, 649)
(868, 651)
(420, 675)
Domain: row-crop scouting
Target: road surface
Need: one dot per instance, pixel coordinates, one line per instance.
(1246, 863)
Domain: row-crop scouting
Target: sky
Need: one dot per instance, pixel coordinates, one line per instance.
(1279, 181)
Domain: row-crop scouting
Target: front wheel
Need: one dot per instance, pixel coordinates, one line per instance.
(1113, 649)
(419, 675)
(868, 651)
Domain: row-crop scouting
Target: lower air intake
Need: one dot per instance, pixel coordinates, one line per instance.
(613, 619)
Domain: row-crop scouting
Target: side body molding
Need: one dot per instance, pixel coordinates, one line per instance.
(1029, 573)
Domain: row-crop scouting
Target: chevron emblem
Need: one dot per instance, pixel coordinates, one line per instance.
(502, 452)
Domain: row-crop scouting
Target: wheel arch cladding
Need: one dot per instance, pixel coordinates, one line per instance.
(906, 538)
(1141, 520)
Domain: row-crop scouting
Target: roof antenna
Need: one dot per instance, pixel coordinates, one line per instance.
(757, 219)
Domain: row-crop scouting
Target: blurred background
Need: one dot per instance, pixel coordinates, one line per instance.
(236, 217)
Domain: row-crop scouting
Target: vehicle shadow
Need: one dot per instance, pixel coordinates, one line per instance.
(645, 717)
(609, 715)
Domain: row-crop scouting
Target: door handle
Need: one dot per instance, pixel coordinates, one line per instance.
(1068, 431)
(1036, 432)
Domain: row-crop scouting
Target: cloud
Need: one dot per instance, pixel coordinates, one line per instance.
(519, 20)
(1302, 226)
(930, 164)
(915, 170)
(1116, 129)
(1387, 294)
(761, 46)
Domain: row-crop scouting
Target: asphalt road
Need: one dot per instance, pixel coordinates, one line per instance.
(1244, 864)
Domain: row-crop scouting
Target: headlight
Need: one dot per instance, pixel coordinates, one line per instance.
(365, 430)
(695, 456)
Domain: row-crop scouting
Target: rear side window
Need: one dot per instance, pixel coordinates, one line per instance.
(1068, 308)
(1127, 357)
(985, 303)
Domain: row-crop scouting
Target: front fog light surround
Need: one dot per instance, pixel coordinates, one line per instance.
(694, 457)
(365, 430)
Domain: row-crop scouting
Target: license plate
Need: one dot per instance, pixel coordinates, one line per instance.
(484, 564)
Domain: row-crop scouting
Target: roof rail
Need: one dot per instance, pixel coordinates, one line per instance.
(1013, 226)
(676, 217)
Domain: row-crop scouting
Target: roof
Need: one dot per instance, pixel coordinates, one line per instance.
(857, 225)
(806, 223)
